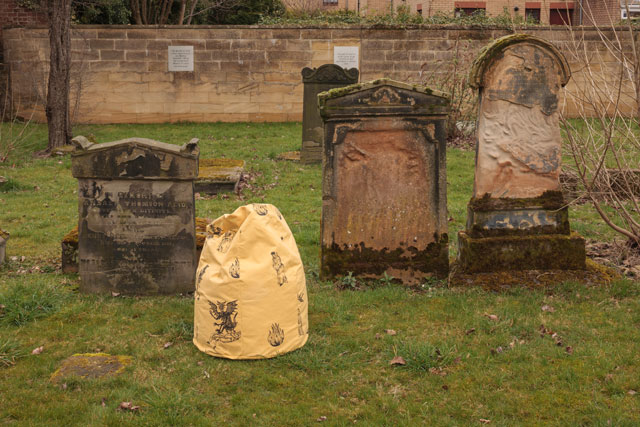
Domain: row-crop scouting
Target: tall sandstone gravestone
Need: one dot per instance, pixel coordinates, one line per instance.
(384, 206)
(317, 80)
(136, 226)
(517, 217)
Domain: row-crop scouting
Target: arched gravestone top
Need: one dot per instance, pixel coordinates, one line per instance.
(135, 158)
(382, 97)
(329, 73)
(519, 78)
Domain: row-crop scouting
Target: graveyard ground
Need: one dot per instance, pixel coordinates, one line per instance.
(562, 355)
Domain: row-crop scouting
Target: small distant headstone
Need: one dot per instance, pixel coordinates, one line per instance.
(219, 175)
(91, 365)
(384, 181)
(4, 236)
(136, 225)
(316, 80)
(517, 218)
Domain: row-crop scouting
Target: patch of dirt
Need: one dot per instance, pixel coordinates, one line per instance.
(621, 255)
(465, 143)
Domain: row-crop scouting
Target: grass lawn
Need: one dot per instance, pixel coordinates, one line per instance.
(471, 355)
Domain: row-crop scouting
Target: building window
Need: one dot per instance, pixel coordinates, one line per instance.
(419, 9)
(560, 17)
(468, 8)
(330, 2)
(468, 11)
(532, 15)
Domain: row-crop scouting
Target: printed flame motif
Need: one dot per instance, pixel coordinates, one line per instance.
(276, 335)
(278, 266)
(260, 209)
(234, 269)
(226, 241)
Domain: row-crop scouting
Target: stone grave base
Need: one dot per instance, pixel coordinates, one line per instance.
(411, 267)
(531, 252)
(293, 156)
(70, 245)
(593, 274)
(218, 175)
(91, 365)
(311, 152)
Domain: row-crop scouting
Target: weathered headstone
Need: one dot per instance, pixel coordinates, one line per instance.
(136, 230)
(384, 181)
(517, 218)
(316, 80)
(4, 236)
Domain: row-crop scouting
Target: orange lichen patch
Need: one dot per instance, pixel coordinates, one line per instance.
(594, 274)
(71, 237)
(91, 365)
(290, 155)
(219, 169)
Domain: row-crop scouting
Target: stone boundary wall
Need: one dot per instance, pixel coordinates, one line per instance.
(241, 73)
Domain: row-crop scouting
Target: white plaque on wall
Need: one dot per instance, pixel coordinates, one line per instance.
(180, 58)
(346, 56)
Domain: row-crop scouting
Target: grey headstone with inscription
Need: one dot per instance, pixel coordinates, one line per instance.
(136, 225)
(317, 80)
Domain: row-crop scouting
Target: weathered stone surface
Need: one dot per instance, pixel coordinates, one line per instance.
(219, 175)
(519, 142)
(533, 252)
(4, 236)
(91, 365)
(384, 183)
(136, 216)
(517, 217)
(317, 80)
(70, 245)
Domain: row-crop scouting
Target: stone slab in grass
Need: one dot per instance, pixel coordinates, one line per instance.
(293, 156)
(218, 175)
(70, 245)
(91, 365)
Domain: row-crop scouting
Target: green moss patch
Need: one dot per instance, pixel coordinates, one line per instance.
(91, 365)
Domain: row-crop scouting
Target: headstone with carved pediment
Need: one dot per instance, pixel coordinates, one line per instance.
(517, 217)
(136, 225)
(384, 206)
(317, 80)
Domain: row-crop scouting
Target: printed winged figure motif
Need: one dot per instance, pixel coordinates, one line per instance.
(226, 314)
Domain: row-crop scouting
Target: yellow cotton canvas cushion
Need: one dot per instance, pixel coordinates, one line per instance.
(251, 294)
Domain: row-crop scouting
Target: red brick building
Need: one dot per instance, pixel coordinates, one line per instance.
(578, 12)
(12, 14)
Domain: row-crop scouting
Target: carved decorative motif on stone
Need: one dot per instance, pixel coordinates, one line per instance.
(329, 73)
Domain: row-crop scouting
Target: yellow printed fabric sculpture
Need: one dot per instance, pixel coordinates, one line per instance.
(251, 294)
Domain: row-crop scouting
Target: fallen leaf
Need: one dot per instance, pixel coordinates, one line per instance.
(115, 294)
(378, 336)
(631, 392)
(127, 406)
(484, 421)
(470, 331)
(569, 349)
(391, 332)
(38, 350)
(167, 344)
(398, 360)
(438, 371)
(200, 363)
(492, 317)
(321, 419)
(64, 386)
(104, 402)
(548, 308)
(497, 350)
(445, 387)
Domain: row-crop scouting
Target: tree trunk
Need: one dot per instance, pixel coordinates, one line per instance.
(183, 7)
(59, 14)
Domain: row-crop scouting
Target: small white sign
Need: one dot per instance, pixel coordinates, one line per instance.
(180, 58)
(346, 56)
